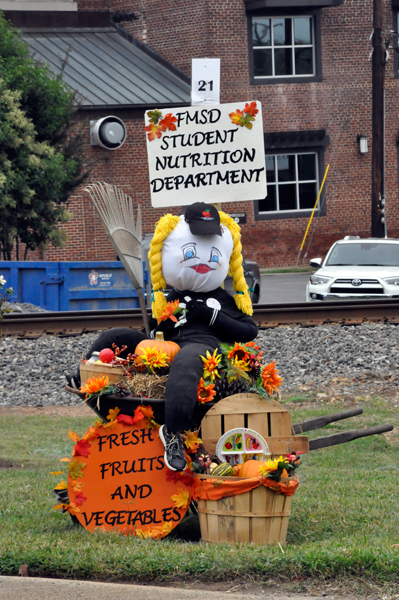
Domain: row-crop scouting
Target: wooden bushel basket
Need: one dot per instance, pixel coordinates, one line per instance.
(87, 371)
(259, 516)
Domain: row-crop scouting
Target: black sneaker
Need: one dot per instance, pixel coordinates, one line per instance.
(174, 457)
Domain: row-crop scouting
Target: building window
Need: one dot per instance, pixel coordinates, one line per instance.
(292, 182)
(294, 169)
(285, 48)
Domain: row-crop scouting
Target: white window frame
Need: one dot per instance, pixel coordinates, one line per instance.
(39, 5)
(297, 182)
(396, 51)
(272, 47)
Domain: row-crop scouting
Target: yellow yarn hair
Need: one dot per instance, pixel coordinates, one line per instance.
(242, 298)
(165, 225)
(163, 228)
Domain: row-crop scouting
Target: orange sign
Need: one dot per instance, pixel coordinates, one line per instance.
(118, 481)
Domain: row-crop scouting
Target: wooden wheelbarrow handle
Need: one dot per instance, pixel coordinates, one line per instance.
(299, 428)
(347, 436)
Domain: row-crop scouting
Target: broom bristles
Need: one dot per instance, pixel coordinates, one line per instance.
(116, 209)
(120, 214)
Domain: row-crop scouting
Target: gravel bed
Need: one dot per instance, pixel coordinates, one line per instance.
(24, 307)
(329, 363)
(32, 371)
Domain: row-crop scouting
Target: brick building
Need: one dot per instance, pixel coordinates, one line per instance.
(306, 61)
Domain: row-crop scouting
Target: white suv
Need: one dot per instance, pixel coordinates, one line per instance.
(356, 268)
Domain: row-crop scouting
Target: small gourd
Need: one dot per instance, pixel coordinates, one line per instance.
(159, 343)
(251, 468)
(223, 470)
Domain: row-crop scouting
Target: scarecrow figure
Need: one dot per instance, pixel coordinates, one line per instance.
(192, 254)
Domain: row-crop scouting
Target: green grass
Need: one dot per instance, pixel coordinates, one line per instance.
(344, 522)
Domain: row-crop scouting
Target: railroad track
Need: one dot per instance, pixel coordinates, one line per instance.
(32, 325)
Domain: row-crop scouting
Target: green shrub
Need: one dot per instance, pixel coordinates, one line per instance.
(41, 155)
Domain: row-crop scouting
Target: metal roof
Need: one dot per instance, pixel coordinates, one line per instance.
(105, 69)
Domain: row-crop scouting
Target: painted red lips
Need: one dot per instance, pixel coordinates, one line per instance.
(202, 268)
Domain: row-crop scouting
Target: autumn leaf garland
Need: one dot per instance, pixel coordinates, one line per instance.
(182, 498)
(157, 532)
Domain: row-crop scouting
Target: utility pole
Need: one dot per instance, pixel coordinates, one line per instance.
(378, 75)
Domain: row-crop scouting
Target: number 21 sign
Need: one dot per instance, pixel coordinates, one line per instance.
(205, 81)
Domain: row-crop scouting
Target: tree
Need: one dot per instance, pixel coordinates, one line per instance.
(41, 154)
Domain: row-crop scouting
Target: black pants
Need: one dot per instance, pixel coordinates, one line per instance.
(181, 388)
(184, 375)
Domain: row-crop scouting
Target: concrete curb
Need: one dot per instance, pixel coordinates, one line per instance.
(35, 588)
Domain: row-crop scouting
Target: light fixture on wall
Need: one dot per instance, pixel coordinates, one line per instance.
(363, 147)
(108, 132)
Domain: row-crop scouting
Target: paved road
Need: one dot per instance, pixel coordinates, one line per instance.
(33, 588)
(283, 288)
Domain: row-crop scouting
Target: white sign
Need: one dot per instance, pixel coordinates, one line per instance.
(105, 279)
(206, 154)
(205, 81)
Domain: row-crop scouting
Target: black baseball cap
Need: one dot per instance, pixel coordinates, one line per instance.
(203, 219)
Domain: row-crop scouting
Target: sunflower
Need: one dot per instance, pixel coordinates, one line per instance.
(95, 385)
(153, 358)
(169, 312)
(240, 352)
(270, 379)
(238, 370)
(272, 466)
(211, 363)
(252, 345)
(205, 393)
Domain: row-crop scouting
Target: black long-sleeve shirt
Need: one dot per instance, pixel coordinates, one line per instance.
(231, 324)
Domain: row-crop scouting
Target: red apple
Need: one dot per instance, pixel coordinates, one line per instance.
(107, 355)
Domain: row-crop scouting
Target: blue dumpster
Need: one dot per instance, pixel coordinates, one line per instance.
(94, 285)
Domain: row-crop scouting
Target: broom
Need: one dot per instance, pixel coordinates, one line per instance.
(122, 221)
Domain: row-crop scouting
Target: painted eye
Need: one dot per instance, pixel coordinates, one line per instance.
(189, 252)
(215, 256)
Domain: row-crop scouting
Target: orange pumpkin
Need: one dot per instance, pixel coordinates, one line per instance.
(251, 468)
(169, 348)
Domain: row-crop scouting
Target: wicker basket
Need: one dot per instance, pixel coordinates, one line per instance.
(259, 516)
(87, 371)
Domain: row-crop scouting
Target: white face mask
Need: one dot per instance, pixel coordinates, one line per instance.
(198, 263)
